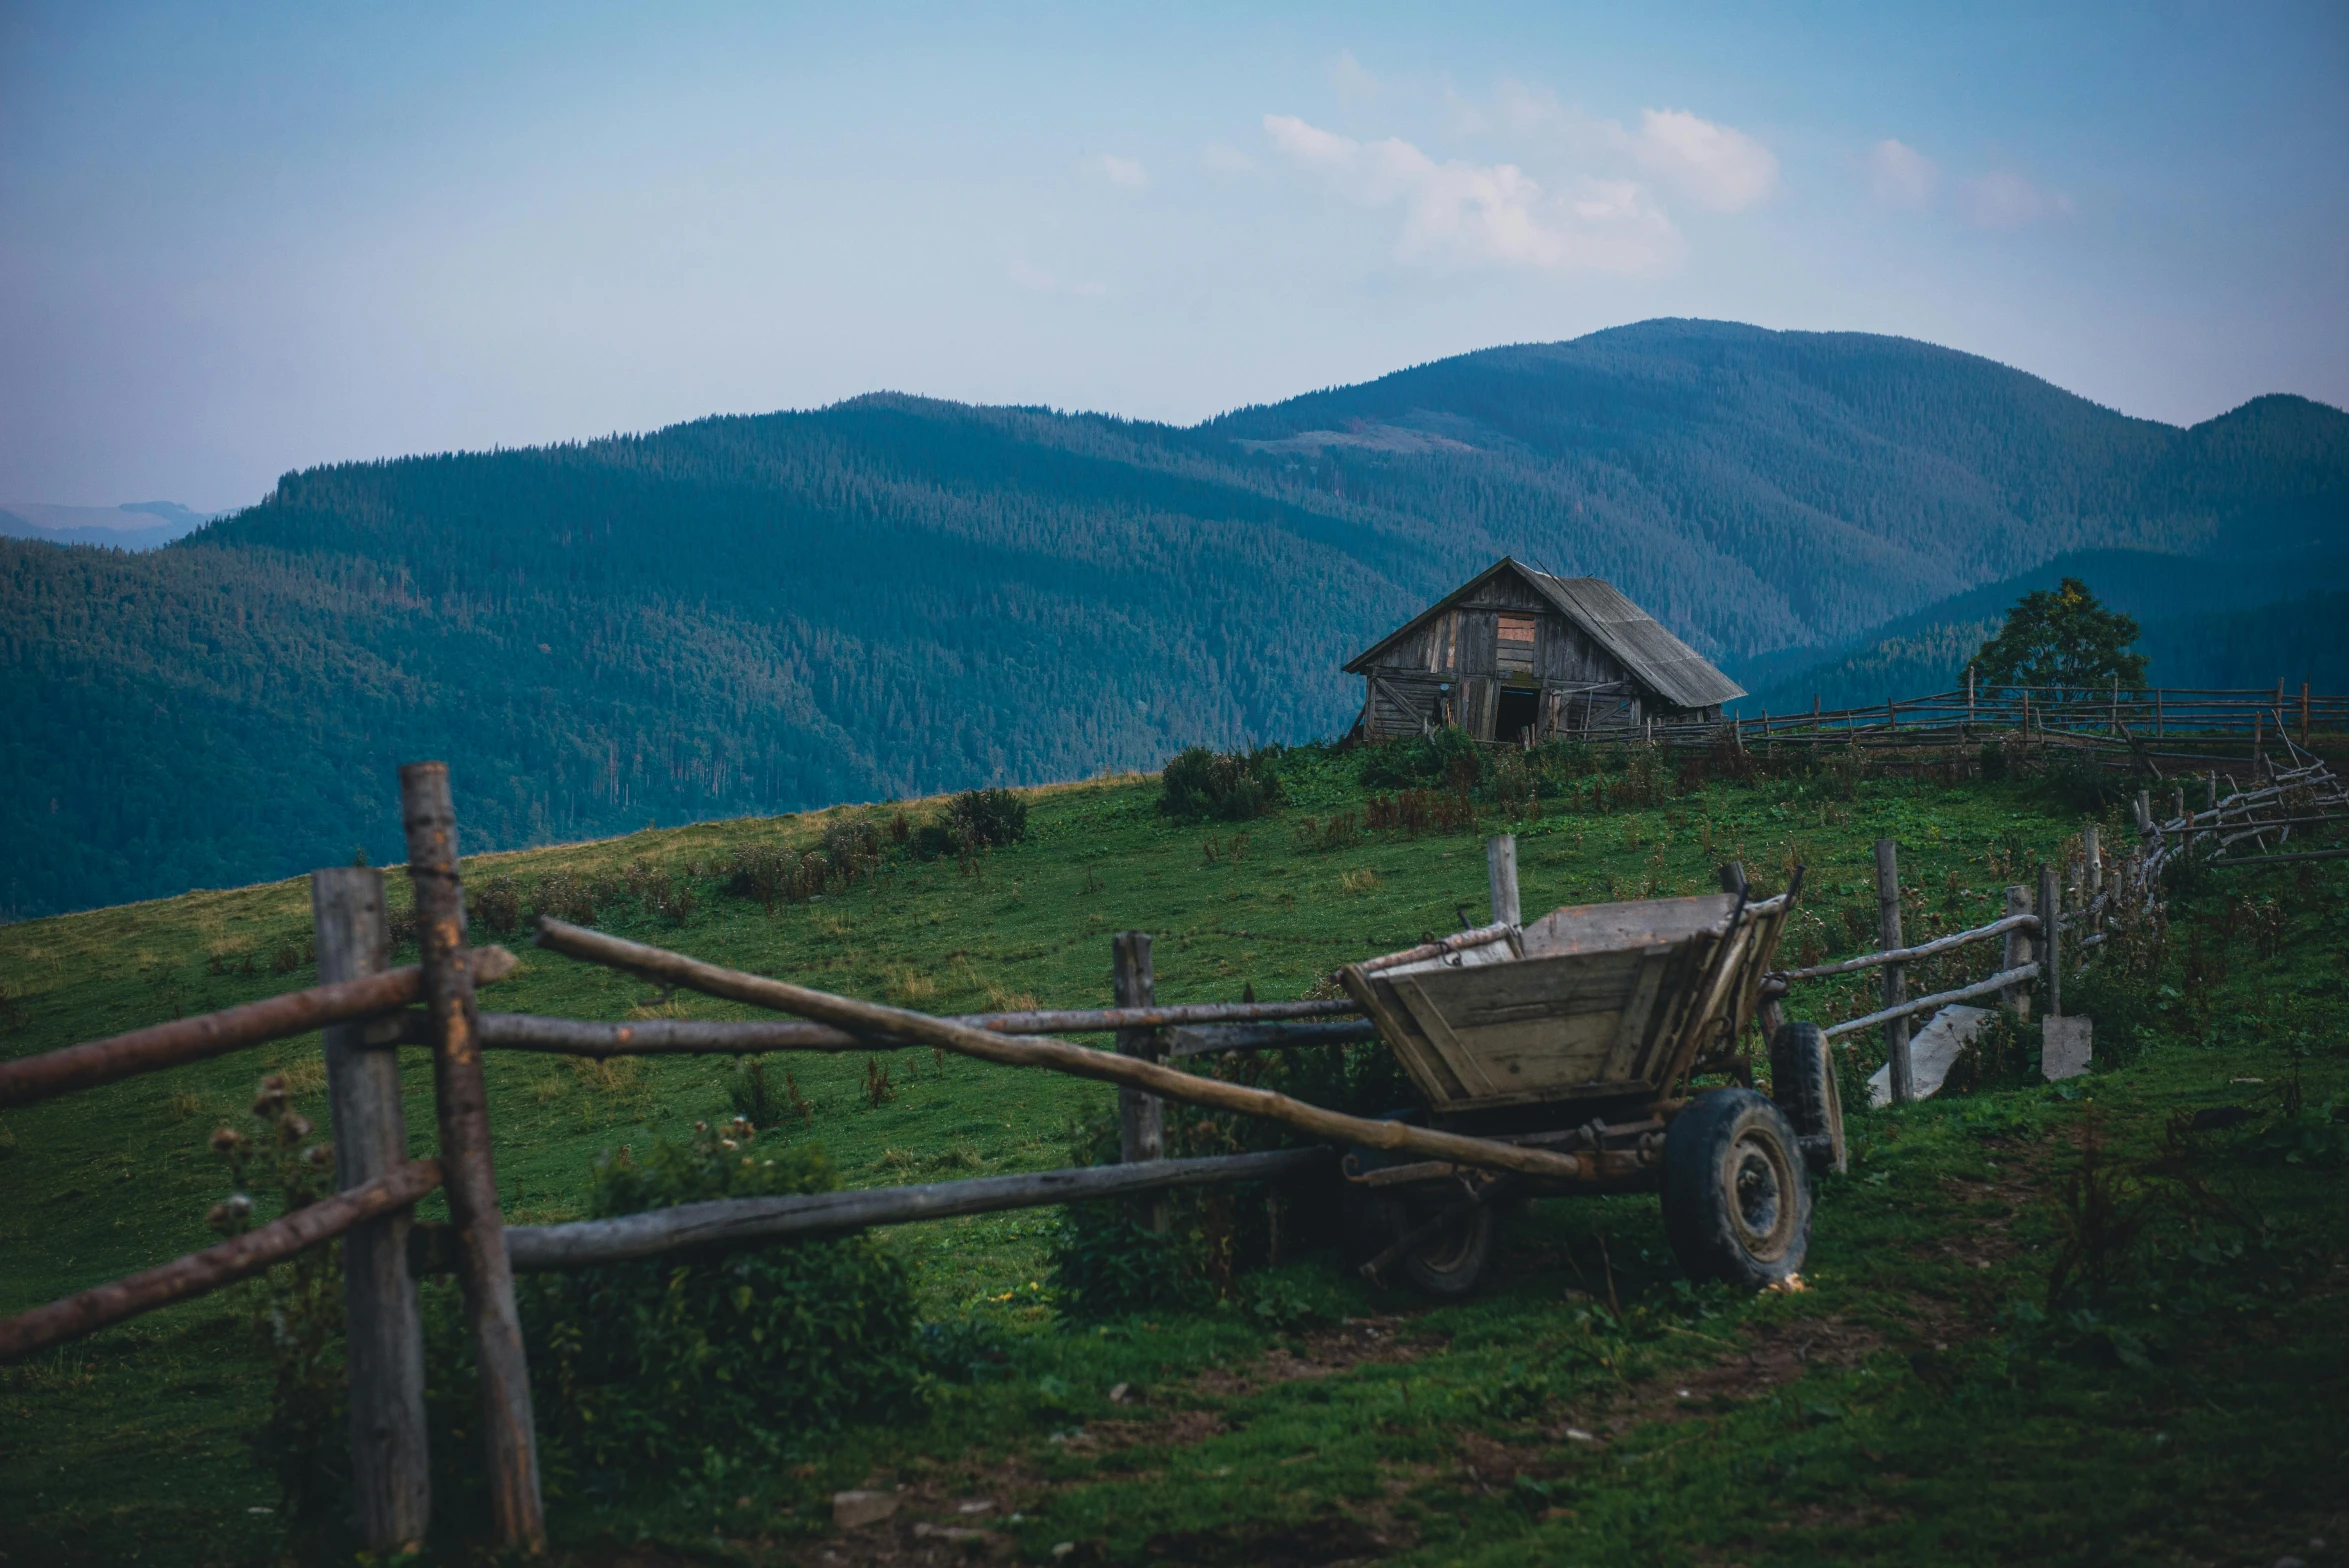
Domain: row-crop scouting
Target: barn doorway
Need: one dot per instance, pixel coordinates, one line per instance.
(1519, 711)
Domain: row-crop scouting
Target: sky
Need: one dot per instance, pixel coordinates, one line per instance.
(240, 239)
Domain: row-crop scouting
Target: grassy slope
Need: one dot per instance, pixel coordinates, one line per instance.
(1874, 1418)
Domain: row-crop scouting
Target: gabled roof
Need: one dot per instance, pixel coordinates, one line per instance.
(1652, 656)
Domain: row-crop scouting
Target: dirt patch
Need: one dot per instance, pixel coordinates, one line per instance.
(957, 1516)
(1178, 1428)
(1772, 1356)
(1322, 1353)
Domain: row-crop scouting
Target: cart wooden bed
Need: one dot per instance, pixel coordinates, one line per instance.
(1582, 1032)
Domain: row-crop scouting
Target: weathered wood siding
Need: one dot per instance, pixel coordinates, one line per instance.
(1448, 671)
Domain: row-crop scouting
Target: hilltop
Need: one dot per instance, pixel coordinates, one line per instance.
(895, 595)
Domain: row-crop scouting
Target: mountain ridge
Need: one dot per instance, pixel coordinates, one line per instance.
(896, 595)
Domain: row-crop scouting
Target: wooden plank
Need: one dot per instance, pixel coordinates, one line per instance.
(1464, 1063)
(182, 1279)
(1634, 925)
(391, 1471)
(517, 1514)
(1631, 1030)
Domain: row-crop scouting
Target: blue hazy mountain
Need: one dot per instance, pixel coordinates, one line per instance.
(895, 595)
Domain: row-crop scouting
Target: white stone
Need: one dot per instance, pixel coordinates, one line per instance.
(1933, 1051)
(855, 1510)
(2065, 1046)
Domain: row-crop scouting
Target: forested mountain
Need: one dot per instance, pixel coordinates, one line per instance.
(2222, 623)
(895, 595)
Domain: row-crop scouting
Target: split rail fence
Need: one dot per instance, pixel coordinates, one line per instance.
(2158, 732)
(368, 1009)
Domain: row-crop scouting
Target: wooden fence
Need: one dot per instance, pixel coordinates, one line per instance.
(2159, 732)
(368, 1009)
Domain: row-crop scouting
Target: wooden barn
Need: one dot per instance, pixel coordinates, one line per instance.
(1515, 651)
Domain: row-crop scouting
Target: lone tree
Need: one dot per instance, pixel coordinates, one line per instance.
(2063, 639)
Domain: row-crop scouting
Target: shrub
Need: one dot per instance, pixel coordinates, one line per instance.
(1104, 1265)
(989, 818)
(661, 1362)
(851, 848)
(567, 897)
(1446, 756)
(760, 872)
(496, 904)
(1199, 784)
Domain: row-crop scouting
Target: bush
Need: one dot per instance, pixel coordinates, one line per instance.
(662, 1362)
(1106, 1266)
(1199, 784)
(989, 818)
(1446, 757)
(496, 905)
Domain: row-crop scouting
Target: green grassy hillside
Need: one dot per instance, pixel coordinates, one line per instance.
(1589, 1406)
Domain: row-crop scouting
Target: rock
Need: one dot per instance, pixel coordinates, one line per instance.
(855, 1510)
(1933, 1052)
(2065, 1047)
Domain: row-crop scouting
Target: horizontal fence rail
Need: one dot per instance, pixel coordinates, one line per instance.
(1903, 955)
(198, 1273)
(2022, 974)
(741, 1222)
(183, 1040)
(1268, 1026)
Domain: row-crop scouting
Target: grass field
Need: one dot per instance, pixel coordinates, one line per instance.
(1922, 1401)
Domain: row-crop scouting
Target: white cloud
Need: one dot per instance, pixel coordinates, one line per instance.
(1226, 160)
(1713, 165)
(1351, 80)
(2002, 199)
(1901, 176)
(1127, 172)
(1466, 214)
(1037, 281)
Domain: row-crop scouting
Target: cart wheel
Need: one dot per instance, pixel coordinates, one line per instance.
(1449, 1263)
(1737, 1201)
(1802, 1081)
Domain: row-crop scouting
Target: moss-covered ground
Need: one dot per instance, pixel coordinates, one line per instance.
(1926, 1399)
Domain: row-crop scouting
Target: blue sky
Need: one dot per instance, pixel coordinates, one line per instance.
(239, 239)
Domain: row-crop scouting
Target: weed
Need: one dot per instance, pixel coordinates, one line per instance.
(878, 1090)
(495, 903)
(1199, 784)
(667, 1362)
(1354, 884)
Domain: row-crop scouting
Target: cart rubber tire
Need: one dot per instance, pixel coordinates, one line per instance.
(1802, 1081)
(1448, 1264)
(1737, 1197)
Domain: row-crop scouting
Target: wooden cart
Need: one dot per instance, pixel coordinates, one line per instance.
(1581, 1032)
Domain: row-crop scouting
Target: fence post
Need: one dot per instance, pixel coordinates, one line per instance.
(1896, 988)
(390, 1468)
(2016, 999)
(2094, 854)
(1500, 868)
(2051, 945)
(426, 811)
(1141, 1117)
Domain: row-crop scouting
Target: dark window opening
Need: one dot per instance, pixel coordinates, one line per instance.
(1519, 711)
